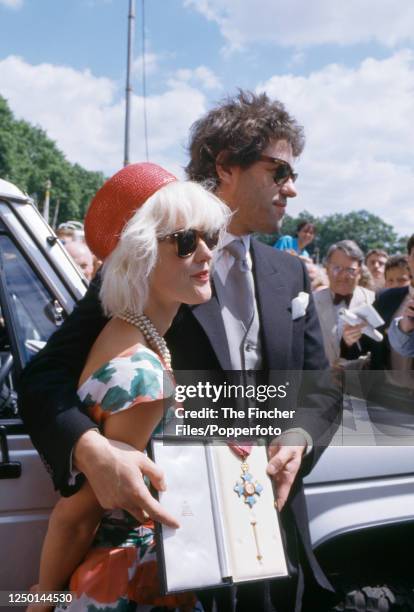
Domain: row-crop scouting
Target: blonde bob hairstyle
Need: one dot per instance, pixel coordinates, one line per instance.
(126, 271)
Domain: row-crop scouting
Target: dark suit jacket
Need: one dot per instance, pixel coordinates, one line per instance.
(50, 407)
(386, 303)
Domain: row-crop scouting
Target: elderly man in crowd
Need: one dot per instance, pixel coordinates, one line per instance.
(375, 261)
(343, 264)
(82, 256)
(390, 303)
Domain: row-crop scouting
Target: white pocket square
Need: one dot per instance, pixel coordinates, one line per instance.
(299, 305)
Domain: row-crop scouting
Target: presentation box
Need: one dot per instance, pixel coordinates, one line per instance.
(229, 527)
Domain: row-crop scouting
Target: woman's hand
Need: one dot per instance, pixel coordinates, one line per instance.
(115, 472)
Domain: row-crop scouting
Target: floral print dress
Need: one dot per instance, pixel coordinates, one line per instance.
(119, 573)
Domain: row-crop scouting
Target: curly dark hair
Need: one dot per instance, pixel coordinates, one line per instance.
(239, 128)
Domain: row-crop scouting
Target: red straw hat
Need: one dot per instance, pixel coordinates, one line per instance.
(116, 202)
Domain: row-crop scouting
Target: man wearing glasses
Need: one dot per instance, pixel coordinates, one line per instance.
(244, 149)
(343, 265)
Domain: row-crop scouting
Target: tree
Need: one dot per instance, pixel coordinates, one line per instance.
(367, 230)
(28, 158)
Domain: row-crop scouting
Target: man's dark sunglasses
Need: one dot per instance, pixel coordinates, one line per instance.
(187, 240)
(283, 171)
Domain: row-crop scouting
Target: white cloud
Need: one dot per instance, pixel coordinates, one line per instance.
(201, 76)
(207, 78)
(302, 23)
(151, 65)
(84, 114)
(360, 130)
(297, 59)
(15, 4)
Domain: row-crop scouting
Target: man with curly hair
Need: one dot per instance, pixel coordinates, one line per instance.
(244, 149)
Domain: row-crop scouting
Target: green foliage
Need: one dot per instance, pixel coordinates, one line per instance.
(367, 230)
(28, 158)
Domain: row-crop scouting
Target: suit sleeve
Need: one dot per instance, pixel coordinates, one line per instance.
(48, 400)
(401, 342)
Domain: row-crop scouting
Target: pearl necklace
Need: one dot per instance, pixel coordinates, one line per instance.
(150, 333)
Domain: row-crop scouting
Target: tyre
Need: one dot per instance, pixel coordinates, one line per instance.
(379, 598)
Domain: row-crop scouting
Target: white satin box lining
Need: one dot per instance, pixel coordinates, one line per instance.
(216, 542)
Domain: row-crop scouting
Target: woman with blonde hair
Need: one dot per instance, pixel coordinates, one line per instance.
(154, 235)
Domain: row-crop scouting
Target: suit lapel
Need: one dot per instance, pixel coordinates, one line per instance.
(210, 319)
(358, 298)
(274, 306)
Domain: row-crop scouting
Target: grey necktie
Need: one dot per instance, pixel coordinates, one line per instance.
(239, 287)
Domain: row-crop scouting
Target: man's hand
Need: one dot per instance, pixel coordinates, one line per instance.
(285, 453)
(406, 324)
(115, 472)
(352, 333)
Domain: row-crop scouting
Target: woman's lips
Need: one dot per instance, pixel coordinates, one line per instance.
(202, 276)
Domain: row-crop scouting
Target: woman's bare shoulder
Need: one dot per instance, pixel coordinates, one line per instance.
(117, 339)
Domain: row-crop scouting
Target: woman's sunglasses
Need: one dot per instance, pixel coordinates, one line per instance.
(283, 171)
(187, 240)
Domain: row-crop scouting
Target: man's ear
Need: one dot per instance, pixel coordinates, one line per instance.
(223, 169)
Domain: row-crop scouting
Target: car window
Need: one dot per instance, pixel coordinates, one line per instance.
(36, 313)
(8, 399)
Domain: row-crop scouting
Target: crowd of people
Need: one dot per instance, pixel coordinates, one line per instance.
(348, 279)
(180, 261)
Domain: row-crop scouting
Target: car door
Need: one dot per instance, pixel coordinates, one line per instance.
(31, 298)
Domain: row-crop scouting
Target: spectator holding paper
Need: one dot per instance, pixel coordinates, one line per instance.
(395, 350)
(341, 339)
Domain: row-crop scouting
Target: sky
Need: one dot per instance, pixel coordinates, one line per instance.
(345, 70)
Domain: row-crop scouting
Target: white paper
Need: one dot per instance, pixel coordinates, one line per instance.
(364, 314)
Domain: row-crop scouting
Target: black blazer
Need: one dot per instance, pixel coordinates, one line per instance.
(50, 407)
(386, 303)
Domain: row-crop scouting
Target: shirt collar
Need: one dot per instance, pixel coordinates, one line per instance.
(228, 237)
